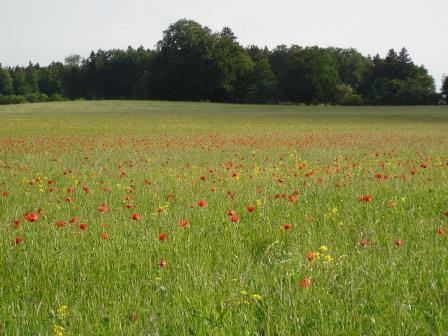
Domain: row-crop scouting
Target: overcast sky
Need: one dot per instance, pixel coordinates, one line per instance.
(46, 30)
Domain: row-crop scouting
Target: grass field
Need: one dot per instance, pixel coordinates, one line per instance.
(156, 218)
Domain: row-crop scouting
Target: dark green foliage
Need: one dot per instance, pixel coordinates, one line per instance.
(11, 99)
(193, 63)
(6, 83)
(445, 89)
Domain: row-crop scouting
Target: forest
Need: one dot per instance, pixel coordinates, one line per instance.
(193, 63)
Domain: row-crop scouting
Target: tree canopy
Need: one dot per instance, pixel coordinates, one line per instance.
(191, 62)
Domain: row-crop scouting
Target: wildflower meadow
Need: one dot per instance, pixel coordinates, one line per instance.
(164, 218)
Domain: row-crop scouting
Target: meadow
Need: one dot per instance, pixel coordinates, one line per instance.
(162, 218)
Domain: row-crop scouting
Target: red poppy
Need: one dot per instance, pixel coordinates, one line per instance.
(184, 223)
(234, 218)
(231, 213)
(31, 217)
(310, 255)
(70, 190)
(287, 227)
(441, 231)
(292, 198)
(424, 165)
(104, 236)
(413, 172)
(135, 216)
(18, 240)
(251, 209)
(60, 223)
(203, 178)
(162, 236)
(231, 194)
(365, 198)
(83, 226)
(162, 263)
(129, 206)
(446, 213)
(103, 208)
(305, 282)
(73, 220)
(134, 316)
(5, 193)
(363, 242)
(202, 203)
(398, 242)
(69, 199)
(17, 223)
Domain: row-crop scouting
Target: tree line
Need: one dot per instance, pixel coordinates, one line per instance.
(195, 64)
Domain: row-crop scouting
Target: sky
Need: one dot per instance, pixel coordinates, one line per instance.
(49, 30)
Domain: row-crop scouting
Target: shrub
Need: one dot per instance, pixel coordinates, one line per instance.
(12, 99)
(57, 97)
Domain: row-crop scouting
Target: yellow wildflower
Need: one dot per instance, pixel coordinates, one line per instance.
(62, 312)
(58, 330)
(256, 297)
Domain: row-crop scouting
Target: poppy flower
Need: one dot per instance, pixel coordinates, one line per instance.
(162, 236)
(17, 223)
(203, 178)
(441, 231)
(60, 223)
(135, 216)
(83, 226)
(424, 165)
(398, 242)
(31, 217)
(5, 194)
(202, 203)
(234, 218)
(162, 263)
(104, 236)
(365, 198)
(310, 255)
(103, 208)
(363, 242)
(134, 316)
(446, 213)
(129, 206)
(305, 282)
(231, 213)
(292, 198)
(18, 240)
(184, 223)
(250, 209)
(72, 220)
(287, 227)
